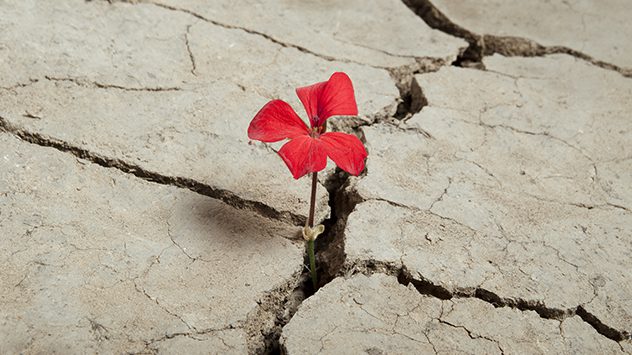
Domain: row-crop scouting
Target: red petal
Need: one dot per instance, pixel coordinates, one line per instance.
(334, 97)
(346, 150)
(303, 155)
(276, 121)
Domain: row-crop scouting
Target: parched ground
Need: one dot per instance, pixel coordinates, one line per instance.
(494, 216)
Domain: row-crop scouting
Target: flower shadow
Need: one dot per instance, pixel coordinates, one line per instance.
(205, 225)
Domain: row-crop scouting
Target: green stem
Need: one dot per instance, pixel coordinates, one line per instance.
(312, 263)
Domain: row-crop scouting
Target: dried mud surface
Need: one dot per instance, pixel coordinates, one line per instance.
(494, 216)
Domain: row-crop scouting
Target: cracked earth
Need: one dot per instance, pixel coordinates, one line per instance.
(494, 216)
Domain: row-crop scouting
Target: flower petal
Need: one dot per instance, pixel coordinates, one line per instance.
(276, 121)
(303, 155)
(346, 150)
(334, 97)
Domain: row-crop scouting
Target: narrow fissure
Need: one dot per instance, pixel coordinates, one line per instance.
(189, 51)
(201, 188)
(427, 287)
(481, 45)
(95, 84)
(250, 31)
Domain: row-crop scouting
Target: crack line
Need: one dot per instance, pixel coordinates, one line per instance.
(201, 188)
(191, 57)
(426, 287)
(96, 84)
(471, 334)
(253, 32)
(485, 44)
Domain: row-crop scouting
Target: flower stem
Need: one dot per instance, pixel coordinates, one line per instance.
(312, 202)
(312, 263)
(310, 223)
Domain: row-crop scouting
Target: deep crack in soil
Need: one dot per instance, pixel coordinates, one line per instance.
(330, 246)
(329, 250)
(201, 188)
(426, 287)
(481, 45)
(279, 306)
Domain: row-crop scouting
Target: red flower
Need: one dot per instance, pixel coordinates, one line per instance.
(308, 148)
